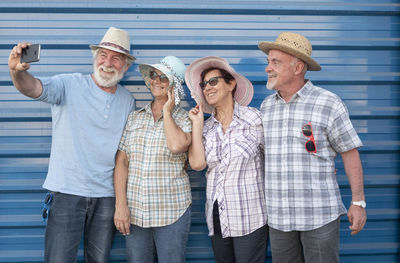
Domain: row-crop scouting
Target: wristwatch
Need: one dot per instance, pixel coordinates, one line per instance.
(359, 203)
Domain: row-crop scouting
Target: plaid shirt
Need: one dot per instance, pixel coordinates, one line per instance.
(235, 175)
(158, 189)
(301, 187)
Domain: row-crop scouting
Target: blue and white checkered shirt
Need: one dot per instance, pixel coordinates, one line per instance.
(300, 187)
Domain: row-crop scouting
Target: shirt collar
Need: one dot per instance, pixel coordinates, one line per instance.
(305, 90)
(237, 114)
(301, 94)
(147, 109)
(237, 110)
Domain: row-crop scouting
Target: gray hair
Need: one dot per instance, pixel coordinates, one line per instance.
(128, 60)
(295, 60)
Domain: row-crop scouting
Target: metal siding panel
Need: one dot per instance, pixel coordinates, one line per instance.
(356, 42)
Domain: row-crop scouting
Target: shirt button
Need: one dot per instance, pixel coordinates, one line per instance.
(105, 116)
(108, 106)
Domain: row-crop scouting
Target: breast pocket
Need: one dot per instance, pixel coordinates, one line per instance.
(244, 146)
(299, 138)
(135, 137)
(317, 134)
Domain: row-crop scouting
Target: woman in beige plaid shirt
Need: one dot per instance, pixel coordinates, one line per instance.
(152, 190)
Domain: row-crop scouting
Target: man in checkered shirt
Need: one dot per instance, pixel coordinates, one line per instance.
(305, 127)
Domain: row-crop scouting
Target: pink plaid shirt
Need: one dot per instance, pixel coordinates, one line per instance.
(235, 175)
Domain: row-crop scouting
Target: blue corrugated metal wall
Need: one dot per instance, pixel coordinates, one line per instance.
(356, 42)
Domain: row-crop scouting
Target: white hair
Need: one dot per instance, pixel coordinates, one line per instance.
(295, 60)
(128, 60)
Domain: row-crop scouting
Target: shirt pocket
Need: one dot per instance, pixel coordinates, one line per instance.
(244, 146)
(135, 137)
(319, 136)
(298, 139)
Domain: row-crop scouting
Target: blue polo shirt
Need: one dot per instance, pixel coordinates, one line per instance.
(87, 124)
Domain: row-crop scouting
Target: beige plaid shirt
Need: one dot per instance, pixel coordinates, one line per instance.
(158, 189)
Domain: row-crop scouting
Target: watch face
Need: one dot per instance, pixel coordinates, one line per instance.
(360, 203)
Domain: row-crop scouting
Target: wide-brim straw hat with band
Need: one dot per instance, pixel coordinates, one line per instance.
(295, 45)
(244, 89)
(173, 68)
(117, 40)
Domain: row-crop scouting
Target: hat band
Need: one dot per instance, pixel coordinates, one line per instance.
(172, 71)
(109, 44)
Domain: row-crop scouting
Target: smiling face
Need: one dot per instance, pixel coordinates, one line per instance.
(220, 93)
(159, 88)
(109, 67)
(280, 70)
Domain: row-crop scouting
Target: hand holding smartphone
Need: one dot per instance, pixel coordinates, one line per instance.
(31, 54)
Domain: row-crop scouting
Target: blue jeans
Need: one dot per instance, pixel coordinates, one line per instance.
(71, 217)
(169, 242)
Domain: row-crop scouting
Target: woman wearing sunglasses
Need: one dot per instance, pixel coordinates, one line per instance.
(152, 190)
(231, 144)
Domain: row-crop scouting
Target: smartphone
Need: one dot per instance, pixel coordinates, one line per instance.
(31, 54)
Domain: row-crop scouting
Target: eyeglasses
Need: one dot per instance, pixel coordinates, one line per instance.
(46, 206)
(213, 81)
(310, 144)
(163, 78)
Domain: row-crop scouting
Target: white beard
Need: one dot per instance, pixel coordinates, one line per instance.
(272, 79)
(271, 84)
(106, 81)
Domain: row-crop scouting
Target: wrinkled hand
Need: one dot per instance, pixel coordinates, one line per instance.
(196, 114)
(357, 218)
(170, 104)
(122, 220)
(14, 63)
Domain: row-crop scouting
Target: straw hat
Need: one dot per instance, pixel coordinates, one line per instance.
(244, 89)
(117, 40)
(295, 45)
(173, 68)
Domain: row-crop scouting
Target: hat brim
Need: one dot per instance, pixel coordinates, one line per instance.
(244, 89)
(145, 70)
(94, 47)
(266, 46)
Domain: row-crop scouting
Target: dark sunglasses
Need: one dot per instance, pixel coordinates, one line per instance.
(163, 78)
(213, 81)
(310, 144)
(46, 206)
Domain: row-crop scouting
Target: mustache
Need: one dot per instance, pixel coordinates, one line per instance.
(107, 69)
